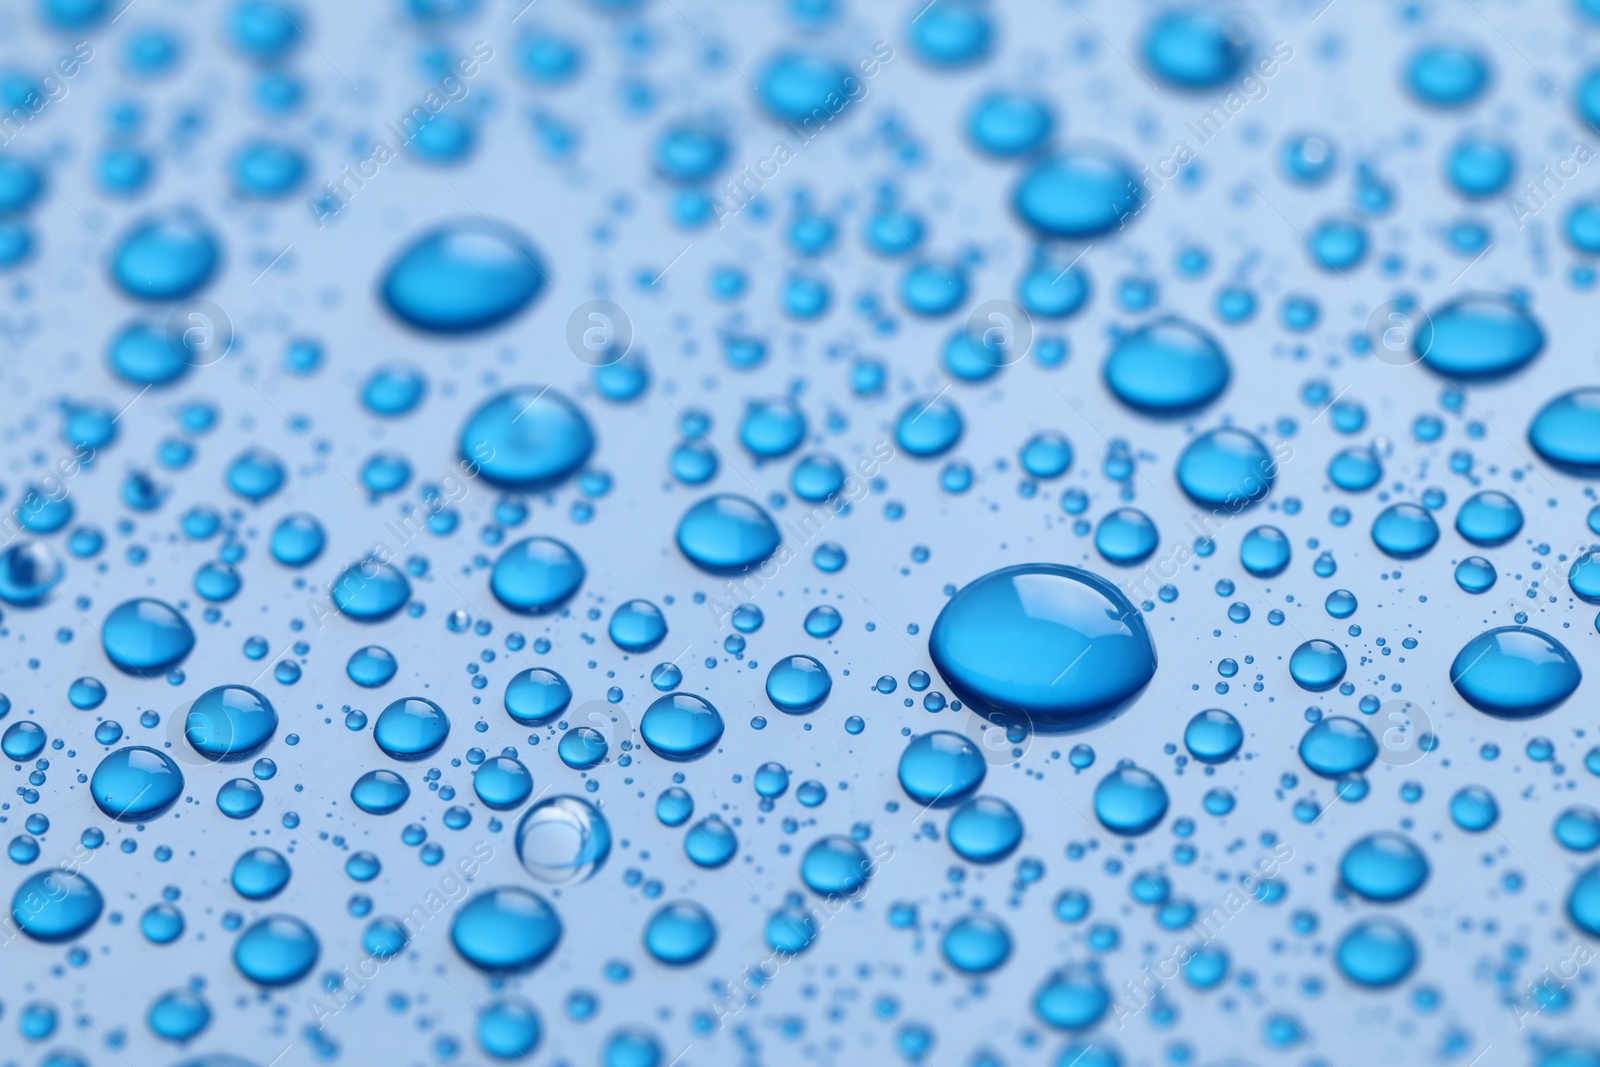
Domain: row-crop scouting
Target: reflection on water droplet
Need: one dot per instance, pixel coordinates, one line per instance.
(563, 840)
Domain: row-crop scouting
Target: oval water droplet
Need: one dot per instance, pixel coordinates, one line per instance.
(278, 950)
(1384, 867)
(506, 930)
(1478, 337)
(1566, 432)
(229, 723)
(146, 637)
(1082, 193)
(1169, 367)
(411, 728)
(536, 576)
(56, 905)
(798, 685)
(1514, 672)
(136, 783)
(1130, 801)
(1057, 644)
(462, 277)
(529, 438)
(681, 726)
(1226, 468)
(727, 534)
(166, 257)
(563, 840)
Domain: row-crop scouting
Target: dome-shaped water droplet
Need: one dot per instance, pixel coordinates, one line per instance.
(681, 726)
(835, 866)
(1226, 468)
(797, 87)
(536, 695)
(506, 930)
(798, 685)
(1079, 194)
(1317, 665)
(529, 438)
(29, 572)
(146, 637)
(1264, 552)
(1169, 367)
(1057, 645)
(56, 905)
(637, 626)
(535, 576)
(1583, 902)
(462, 277)
(260, 874)
(136, 783)
(941, 768)
(502, 783)
(1405, 531)
(727, 534)
(1514, 672)
(976, 944)
(298, 539)
(1384, 867)
(1213, 736)
(229, 723)
(1194, 49)
(278, 950)
(1566, 432)
(928, 427)
(369, 591)
(411, 728)
(380, 792)
(984, 830)
(1376, 953)
(680, 933)
(1488, 518)
(1478, 337)
(166, 257)
(1336, 746)
(1130, 800)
